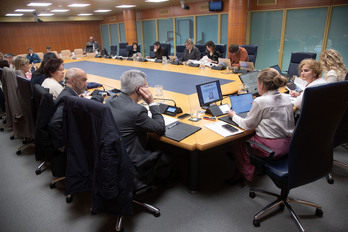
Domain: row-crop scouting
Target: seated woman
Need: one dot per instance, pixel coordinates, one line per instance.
(212, 53)
(333, 66)
(39, 75)
(55, 73)
(310, 71)
(190, 52)
(22, 65)
(271, 116)
(135, 50)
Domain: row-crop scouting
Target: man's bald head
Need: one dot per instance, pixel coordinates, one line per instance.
(76, 79)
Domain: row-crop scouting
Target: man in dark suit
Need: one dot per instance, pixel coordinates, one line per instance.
(159, 50)
(134, 123)
(49, 54)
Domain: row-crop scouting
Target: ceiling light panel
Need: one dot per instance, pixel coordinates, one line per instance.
(60, 10)
(14, 15)
(25, 10)
(78, 5)
(39, 4)
(45, 14)
(125, 6)
(102, 11)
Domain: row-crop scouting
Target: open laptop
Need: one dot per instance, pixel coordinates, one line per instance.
(250, 82)
(241, 104)
(245, 65)
(226, 62)
(276, 67)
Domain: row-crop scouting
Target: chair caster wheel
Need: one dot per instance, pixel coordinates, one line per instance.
(256, 223)
(330, 180)
(252, 194)
(52, 185)
(38, 171)
(157, 214)
(319, 212)
(120, 230)
(18, 152)
(12, 137)
(68, 199)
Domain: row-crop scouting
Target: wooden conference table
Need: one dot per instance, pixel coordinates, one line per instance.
(202, 140)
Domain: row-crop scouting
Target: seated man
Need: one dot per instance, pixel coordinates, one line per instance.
(92, 46)
(237, 54)
(33, 57)
(49, 53)
(159, 51)
(134, 123)
(76, 84)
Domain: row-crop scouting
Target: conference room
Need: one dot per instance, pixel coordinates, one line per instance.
(277, 28)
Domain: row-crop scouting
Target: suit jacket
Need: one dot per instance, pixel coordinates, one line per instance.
(161, 52)
(133, 121)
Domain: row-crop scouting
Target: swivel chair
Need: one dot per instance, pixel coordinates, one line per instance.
(252, 52)
(222, 49)
(295, 60)
(2, 101)
(310, 154)
(130, 48)
(202, 49)
(113, 50)
(123, 49)
(180, 50)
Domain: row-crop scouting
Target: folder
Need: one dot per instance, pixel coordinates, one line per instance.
(179, 130)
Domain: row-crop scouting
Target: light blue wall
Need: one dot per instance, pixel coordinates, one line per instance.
(165, 32)
(149, 28)
(207, 28)
(105, 36)
(184, 29)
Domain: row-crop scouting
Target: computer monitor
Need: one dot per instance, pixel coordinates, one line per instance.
(215, 6)
(209, 93)
(246, 65)
(250, 82)
(89, 48)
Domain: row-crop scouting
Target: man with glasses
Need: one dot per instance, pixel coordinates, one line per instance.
(134, 123)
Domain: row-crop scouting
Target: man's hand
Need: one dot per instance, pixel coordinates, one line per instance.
(146, 95)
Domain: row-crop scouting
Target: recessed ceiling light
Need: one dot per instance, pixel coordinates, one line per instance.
(39, 4)
(85, 14)
(14, 14)
(25, 10)
(78, 5)
(45, 14)
(60, 10)
(101, 11)
(156, 0)
(125, 6)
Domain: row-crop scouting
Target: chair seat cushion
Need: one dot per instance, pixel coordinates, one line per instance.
(277, 170)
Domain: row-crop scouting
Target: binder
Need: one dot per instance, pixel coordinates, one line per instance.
(179, 130)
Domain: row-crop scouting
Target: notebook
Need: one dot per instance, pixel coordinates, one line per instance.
(250, 82)
(179, 130)
(241, 104)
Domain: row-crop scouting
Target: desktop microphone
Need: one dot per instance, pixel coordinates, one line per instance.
(164, 107)
(165, 99)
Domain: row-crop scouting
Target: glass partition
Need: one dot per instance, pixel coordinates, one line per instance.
(149, 30)
(184, 29)
(207, 28)
(105, 36)
(166, 33)
(224, 29)
(123, 34)
(114, 34)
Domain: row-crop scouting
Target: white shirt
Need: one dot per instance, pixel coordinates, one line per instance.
(298, 100)
(271, 116)
(53, 85)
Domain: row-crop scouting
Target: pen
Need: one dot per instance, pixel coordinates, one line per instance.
(209, 118)
(173, 125)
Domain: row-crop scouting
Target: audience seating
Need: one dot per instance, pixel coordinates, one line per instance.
(123, 49)
(78, 53)
(295, 60)
(222, 49)
(180, 50)
(41, 55)
(202, 49)
(65, 54)
(113, 50)
(252, 52)
(55, 52)
(310, 154)
(22, 55)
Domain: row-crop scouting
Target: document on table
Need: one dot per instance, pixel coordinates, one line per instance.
(217, 128)
(300, 83)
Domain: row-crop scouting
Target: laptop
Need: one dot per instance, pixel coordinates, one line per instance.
(226, 62)
(276, 67)
(241, 104)
(250, 82)
(246, 65)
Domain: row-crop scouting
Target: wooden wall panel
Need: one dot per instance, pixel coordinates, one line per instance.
(281, 4)
(17, 37)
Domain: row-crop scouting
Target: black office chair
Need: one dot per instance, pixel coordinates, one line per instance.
(130, 48)
(295, 60)
(167, 46)
(180, 50)
(113, 50)
(252, 52)
(222, 49)
(2, 101)
(97, 160)
(346, 77)
(123, 49)
(202, 49)
(310, 154)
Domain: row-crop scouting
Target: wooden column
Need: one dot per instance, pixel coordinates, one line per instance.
(130, 25)
(237, 22)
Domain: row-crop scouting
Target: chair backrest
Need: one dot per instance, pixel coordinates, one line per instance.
(78, 52)
(65, 53)
(180, 50)
(2, 97)
(40, 54)
(123, 49)
(295, 60)
(167, 46)
(346, 77)
(311, 148)
(113, 50)
(252, 52)
(130, 48)
(222, 49)
(341, 134)
(202, 49)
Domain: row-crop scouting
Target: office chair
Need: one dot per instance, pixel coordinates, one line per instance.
(168, 47)
(65, 54)
(78, 53)
(202, 49)
(295, 60)
(97, 160)
(180, 50)
(2, 101)
(222, 49)
(252, 52)
(130, 48)
(123, 49)
(346, 77)
(310, 154)
(113, 50)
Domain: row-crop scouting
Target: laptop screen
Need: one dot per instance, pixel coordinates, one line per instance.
(209, 93)
(276, 67)
(241, 103)
(250, 81)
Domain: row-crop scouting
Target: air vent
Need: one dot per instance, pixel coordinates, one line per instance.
(204, 7)
(112, 18)
(164, 12)
(266, 2)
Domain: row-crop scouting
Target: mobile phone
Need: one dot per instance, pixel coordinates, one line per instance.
(229, 127)
(183, 116)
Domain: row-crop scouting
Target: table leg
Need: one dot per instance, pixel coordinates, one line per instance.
(193, 182)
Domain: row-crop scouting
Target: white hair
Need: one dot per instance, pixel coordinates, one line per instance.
(130, 80)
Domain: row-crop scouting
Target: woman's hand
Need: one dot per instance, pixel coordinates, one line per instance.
(294, 93)
(231, 113)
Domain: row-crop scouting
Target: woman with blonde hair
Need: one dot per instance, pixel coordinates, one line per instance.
(333, 66)
(272, 118)
(22, 65)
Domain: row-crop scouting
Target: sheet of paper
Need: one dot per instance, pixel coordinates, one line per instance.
(300, 83)
(217, 127)
(168, 120)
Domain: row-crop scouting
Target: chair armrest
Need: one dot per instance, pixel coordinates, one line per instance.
(258, 162)
(263, 147)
